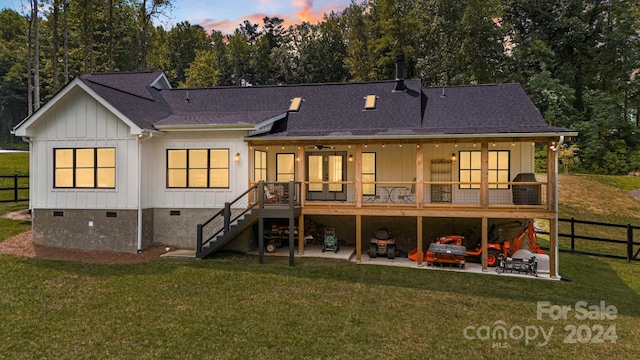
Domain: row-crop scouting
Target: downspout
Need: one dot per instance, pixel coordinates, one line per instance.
(32, 173)
(555, 205)
(141, 137)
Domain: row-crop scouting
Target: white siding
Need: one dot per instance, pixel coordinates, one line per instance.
(79, 121)
(155, 191)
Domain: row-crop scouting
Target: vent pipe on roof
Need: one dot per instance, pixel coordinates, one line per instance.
(400, 73)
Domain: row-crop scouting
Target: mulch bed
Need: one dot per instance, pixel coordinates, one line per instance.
(21, 245)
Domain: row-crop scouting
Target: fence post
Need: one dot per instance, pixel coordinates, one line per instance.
(573, 235)
(629, 242)
(15, 188)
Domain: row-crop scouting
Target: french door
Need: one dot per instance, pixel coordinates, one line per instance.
(325, 173)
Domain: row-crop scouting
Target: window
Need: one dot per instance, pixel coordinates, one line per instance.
(470, 169)
(88, 168)
(295, 104)
(198, 168)
(260, 165)
(368, 173)
(370, 102)
(285, 167)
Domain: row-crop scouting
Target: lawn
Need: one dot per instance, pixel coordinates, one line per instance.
(231, 307)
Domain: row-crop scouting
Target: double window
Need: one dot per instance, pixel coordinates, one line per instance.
(88, 168)
(198, 168)
(470, 169)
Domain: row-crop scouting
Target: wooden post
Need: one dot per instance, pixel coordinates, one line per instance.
(419, 195)
(419, 237)
(358, 176)
(301, 176)
(485, 242)
(358, 238)
(484, 177)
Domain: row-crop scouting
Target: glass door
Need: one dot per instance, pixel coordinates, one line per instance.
(330, 168)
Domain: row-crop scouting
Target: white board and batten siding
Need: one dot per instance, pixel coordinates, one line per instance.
(79, 121)
(156, 194)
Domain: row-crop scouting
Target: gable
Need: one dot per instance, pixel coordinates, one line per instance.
(63, 105)
(79, 115)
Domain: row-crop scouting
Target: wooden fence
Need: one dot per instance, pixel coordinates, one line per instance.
(14, 188)
(581, 243)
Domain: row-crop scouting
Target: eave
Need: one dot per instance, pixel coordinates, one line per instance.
(410, 138)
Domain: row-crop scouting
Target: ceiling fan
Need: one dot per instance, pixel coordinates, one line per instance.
(320, 147)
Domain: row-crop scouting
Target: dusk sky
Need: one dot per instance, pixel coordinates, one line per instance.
(227, 15)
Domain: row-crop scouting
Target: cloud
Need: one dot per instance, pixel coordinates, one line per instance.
(301, 11)
(305, 11)
(229, 26)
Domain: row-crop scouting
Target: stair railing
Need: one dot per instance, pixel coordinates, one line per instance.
(222, 220)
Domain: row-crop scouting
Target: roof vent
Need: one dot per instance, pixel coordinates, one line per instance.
(295, 104)
(370, 102)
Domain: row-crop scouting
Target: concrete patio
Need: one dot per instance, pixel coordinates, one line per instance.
(348, 253)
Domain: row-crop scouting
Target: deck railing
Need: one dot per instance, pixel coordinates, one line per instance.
(434, 194)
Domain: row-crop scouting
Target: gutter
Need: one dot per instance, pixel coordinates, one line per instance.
(329, 137)
(143, 136)
(205, 127)
(555, 205)
(32, 185)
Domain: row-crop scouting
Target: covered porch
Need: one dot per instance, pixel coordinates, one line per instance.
(425, 182)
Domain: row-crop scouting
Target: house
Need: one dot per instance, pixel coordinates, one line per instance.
(122, 160)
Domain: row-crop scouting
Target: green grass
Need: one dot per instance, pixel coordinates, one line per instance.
(624, 183)
(231, 307)
(10, 164)
(14, 163)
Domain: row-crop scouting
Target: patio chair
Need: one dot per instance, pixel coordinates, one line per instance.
(270, 198)
(408, 197)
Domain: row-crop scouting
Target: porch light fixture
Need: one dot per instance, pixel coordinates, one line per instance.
(453, 157)
(350, 158)
(237, 157)
(295, 104)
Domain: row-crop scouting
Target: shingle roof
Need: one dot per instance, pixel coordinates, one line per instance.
(328, 110)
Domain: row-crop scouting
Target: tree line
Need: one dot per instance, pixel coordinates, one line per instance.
(577, 59)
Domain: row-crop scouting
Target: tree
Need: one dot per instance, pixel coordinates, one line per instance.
(321, 51)
(148, 10)
(203, 71)
(13, 70)
(238, 58)
(184, 40)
